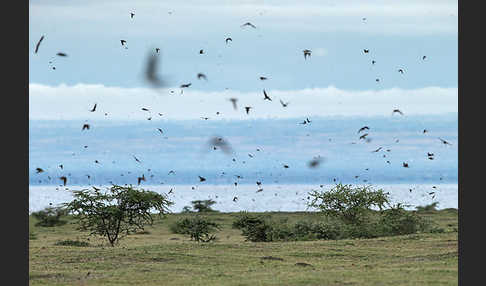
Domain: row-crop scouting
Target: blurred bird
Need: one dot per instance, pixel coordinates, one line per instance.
(160, 130)
(405, 165)
(201, 52)
(307, 53)
(157, 50)
(247, 108)
(363, 136)
(85, 126)
(61, 54)
(151, 71)
(185, 85)
(136, 159)
(201, 75)
(235, 199)
(132, 14)
(228, 39)
(400, 71)
(248, 24)
(376, 150)
(397, 111)
(94, 108)
(263, 78)
(39, 170)
(64, 179)
(283, 103)
(142, 178)
(366, 51)
(233, 101)
(363, 128)
(38, 44)
(266, 96)
(221, 143)
(123, 42)
(201, 179)
(314, 163)
(444, 142)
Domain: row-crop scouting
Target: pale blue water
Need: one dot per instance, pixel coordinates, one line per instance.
(285, 197)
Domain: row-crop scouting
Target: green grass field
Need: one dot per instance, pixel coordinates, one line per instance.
(158, 257)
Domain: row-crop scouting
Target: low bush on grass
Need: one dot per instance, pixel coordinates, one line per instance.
(50, 216)
(72, 243)
(428, 208)
(32, 235)
(200, 229)
(200, 206)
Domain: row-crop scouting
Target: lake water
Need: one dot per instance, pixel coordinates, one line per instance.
(289, 197)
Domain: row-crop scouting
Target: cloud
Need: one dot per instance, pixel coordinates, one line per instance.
(74, 102)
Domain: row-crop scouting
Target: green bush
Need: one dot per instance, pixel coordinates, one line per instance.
(427, 208)
(398, 221)
(350, 204)
(50, 216)
(198, 228)
(120, 211)
(203, 205)
(72, 243)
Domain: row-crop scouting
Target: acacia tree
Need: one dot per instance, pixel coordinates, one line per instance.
(117, 212)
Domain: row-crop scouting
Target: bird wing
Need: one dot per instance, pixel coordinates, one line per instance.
(38, 44)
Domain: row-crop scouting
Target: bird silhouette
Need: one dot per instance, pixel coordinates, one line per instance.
(64, 180)
(405, 165)
(424, 57)
(201, 52)
(157, 50)
(233, 101)
(366, 51)
(247, 109)
(38, 44)
(39, 170)
(286, 166)
(221, 143)
(425, 131)
(86, 126)
(400, 71)
(397, 111)
(283, 103)
(123, 42)
(235, 199)
(171, 172)
(142, 178)
(94, 108)
(136, 159)
(363, 136)
(376, 150)
(363, 128)
(307, 53)
(314, 163)
(132, 14)
(266, 96)
(61, 54)
(201, 75)
(248, 24)
(373, 62)
(160, 130)
(228, 39)
(185, 85)
(444, 141)
(201, 179)
(263, 78)
(151, 71)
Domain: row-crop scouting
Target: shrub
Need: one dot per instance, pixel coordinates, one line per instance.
(203, 205)
(398, 221)
(198, 228)
(50, 216)
(116, 213)
(347, 203)
(427, 208)
(72, 243)
(244, 219)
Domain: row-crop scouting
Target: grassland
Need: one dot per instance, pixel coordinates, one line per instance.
(158, 257)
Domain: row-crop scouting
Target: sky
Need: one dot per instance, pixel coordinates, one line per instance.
(338, 87)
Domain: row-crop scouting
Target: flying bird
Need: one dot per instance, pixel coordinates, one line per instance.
(248, 24)
(425, 131)
(283, 103)
(221, 143)
(151, 72)
(39, 170)
(266, 96)
(444, 142)
(201, 75)
(185, 85)
(307, 53)
(136, 159)
(142, 178)
(38, 44)
(286, 166)
(160, 130)
(366, 51)
(373, 62)
(201, 179)
(363, 136)
(235, 199)
(247, 109)
(132, 14)
(400, 71)
(228, 39)
(233, 101)
(171, 172)
(263, 78)
(123, 42)
(94, 108)
(61, 54)
(314, 163)
(405, 165)
(397, 111)
(376, 150)
(157, 50)
(424, 57)
(64, 179)
(201, 52)
(85, 126)
(363, 128)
